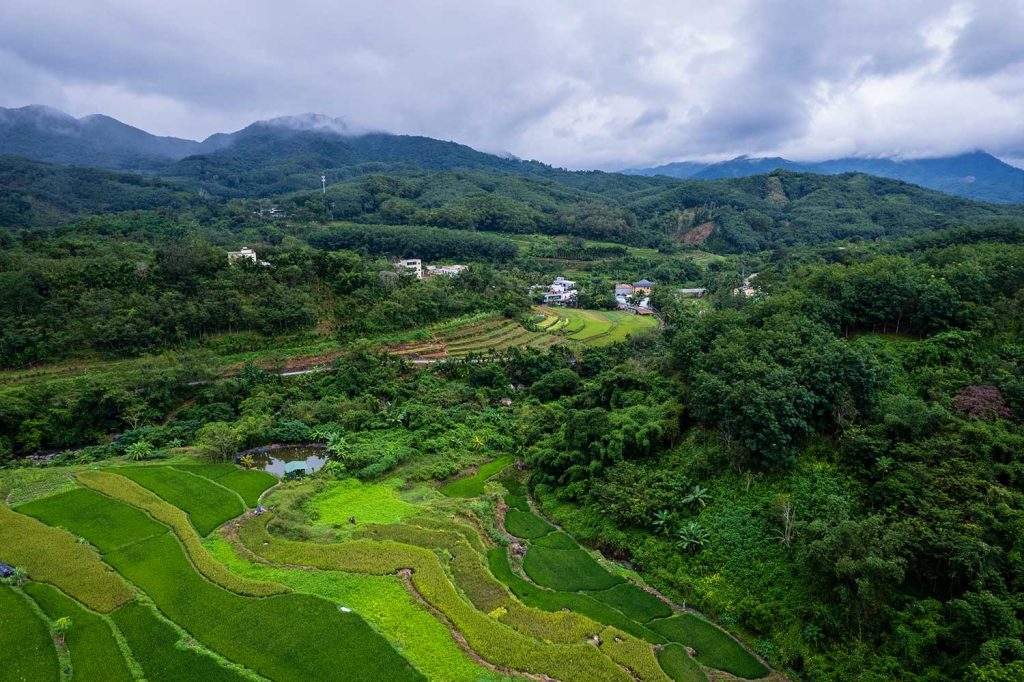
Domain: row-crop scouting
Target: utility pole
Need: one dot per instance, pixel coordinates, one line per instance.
(323, 182)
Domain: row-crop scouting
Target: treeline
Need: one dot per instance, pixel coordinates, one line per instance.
(424, 243)
(33, 193)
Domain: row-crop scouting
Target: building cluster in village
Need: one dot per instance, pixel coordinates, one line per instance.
(635, 296)
(415, 267)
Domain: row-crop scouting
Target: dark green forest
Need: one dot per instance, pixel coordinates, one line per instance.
(833, 467)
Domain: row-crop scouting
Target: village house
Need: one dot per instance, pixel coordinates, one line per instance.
(635, 296)
(245, 253)
(693, 293)
(644, 286)
(561, 292)
(445, 270)
(413, 265)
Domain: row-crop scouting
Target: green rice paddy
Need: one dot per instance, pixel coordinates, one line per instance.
(27, 653)
(473, 486)
(207, 504)
(367, 502)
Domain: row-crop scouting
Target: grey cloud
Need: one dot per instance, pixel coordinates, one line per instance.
(572, 82)
(992, 41)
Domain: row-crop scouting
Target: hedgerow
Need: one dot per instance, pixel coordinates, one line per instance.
(95, 654)
(492, 640)
(679, 665)
(714, 647)
(26, 650)
(247, 483)
(154, 644)
(207, 504)
(54, 556)
(123, 489)
(634, 654)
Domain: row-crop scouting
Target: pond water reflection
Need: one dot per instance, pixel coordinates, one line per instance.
(274, 460)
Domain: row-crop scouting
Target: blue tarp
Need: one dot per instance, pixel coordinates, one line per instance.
(294, 467)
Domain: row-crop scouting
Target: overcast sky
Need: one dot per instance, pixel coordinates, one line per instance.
(580, 84)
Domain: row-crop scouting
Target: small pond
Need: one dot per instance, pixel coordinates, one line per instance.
(273, 460)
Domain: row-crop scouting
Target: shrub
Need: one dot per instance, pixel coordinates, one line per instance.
(291, 431)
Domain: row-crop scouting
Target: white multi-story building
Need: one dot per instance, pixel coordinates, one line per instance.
(561, 292)
(414, 265)
(245, 253)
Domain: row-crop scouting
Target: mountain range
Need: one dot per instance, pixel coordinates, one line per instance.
(290, 153)
(277, 155)
(975, 175)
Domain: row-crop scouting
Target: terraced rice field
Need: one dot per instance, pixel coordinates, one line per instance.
(419, 588)
(553, 326)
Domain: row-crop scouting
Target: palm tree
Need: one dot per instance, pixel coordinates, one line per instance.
(691, 537)
(478, 442)
(662, 521)
(698, 494)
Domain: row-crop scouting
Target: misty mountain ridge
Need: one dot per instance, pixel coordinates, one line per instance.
(974, 175)
(290, 152)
